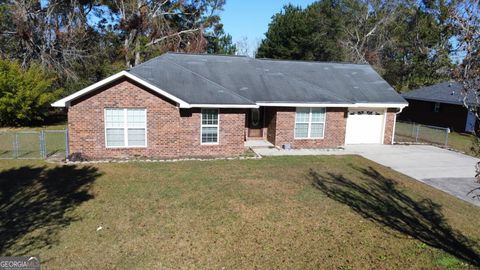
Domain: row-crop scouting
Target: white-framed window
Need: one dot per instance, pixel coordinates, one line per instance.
(125, 127)
(436, 107)
(209, 126)
(310, 123)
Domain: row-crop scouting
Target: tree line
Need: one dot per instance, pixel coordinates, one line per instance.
(408, 42)
(78, 42)
(69, 44)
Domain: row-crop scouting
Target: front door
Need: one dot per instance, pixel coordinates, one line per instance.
(254, 124)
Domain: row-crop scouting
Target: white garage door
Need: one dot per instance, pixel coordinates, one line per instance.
(365, 126)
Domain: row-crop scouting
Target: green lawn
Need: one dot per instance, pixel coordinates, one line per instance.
(330, 212)
(28, 141)
(405, 132)
(462, 142)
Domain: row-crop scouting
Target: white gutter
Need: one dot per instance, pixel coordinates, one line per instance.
(395, 123)
(349, 105)
(252, 106)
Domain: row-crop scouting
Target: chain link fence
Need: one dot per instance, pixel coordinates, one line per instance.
(43, 144)
(408, 132)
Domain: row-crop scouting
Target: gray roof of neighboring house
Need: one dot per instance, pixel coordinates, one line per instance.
(213, 79)
(445, 92)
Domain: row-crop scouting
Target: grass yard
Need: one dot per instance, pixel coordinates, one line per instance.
(331, 212)
(462, 142)
(28, 142)
(405, 132)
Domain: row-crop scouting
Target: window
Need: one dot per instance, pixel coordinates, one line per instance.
(309, 123)
(436, 107)
(125, 127)
(209, 130)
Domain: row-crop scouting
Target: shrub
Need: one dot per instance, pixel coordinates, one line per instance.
(25, 95)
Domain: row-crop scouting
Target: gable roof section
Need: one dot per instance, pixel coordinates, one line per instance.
(64, 102)
(243, 82)
(445, 92)
(186, 84)
(280, 81)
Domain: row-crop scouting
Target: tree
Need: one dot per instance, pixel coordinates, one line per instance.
(407, 42)
(304, 34)
(242, 47)
(466, 24)
(365, 29)
(170, 25)
(54, 34)
(25, 96)
(419, 47)
(220, 43)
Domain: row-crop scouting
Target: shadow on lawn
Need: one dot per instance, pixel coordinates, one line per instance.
(377, 198)
(34, 198)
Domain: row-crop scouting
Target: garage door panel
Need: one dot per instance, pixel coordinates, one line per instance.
(365, 126)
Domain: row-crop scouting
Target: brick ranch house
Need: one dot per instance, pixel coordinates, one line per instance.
(440, 105)
(184, 105)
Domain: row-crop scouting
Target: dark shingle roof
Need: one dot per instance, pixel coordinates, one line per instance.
(213, 79)
(445, 92)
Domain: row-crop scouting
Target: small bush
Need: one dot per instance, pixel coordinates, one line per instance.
(25, 95)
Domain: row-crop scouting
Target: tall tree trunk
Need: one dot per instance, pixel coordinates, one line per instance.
(127, 51)
(137, 51)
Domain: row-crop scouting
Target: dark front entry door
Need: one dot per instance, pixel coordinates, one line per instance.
(255, 123)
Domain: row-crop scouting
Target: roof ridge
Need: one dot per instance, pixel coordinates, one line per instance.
(208, 54)
(203, 77)
(312, 61)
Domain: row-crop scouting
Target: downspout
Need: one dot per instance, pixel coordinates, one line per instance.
(395, 123)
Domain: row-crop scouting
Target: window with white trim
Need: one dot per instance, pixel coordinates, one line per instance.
(209, 126)
(310, 123)
(125, 127)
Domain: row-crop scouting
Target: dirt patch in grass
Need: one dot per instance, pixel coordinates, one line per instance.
(335, 212)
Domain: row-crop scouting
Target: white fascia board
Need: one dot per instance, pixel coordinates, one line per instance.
(379, 105)
(349, 105)
(227, 106)
(313, 105)
(66, 100)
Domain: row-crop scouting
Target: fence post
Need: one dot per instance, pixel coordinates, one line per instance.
(416, 136)
(446, 137)
(15, 146)
(42, 143)
(67, 151)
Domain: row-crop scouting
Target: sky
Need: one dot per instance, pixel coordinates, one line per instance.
(250, 18)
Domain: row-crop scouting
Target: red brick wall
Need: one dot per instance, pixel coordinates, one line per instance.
(271, 124)
(389, 126)
(284, 124)
(281, 124)
(171, 132)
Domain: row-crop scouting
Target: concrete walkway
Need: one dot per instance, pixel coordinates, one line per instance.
(446, 170)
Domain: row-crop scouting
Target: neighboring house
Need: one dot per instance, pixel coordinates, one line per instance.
(439, 105)
(182, 105)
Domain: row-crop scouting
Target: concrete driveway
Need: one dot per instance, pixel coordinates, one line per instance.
(446, 170)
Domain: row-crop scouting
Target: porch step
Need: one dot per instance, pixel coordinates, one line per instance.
(258, 144)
